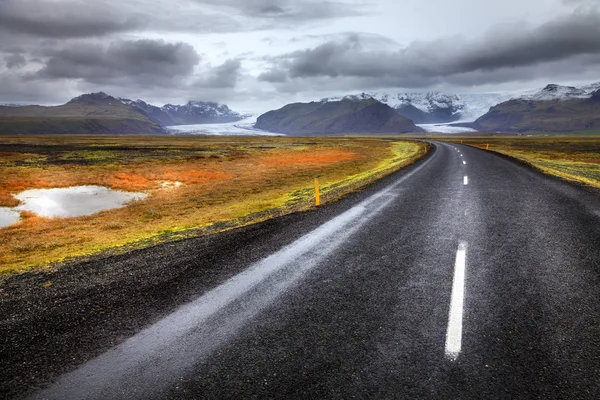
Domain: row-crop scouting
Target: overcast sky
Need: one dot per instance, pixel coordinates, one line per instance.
(258, 54)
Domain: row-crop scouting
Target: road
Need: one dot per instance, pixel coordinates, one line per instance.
(465, 276)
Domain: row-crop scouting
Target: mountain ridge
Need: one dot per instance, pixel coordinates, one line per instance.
(562, 113)
(94, 113)
(100, 113)
(432, 107)
(335, 118)
(193, 112)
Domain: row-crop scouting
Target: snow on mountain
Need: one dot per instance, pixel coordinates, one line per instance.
(478, 104)
(434, 107)
(211, 109)
(193, 112)
(426, 102)
(559, 92)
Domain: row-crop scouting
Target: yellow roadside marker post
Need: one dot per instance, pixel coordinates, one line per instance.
(317, 195)
(487, 146)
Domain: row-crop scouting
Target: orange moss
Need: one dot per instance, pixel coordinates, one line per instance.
(7, 200)
(312, 157)
(223, 179)
(194, 176)
(29, 218)
(128, 181)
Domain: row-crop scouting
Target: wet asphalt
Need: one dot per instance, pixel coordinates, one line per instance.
(349, 301)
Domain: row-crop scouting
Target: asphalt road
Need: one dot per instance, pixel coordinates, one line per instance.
(466, 276)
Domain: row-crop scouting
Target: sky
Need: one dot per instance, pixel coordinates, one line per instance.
(255, 55)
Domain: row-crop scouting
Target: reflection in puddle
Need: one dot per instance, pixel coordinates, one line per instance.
(67, 202)
(74, 201)
(8, 216)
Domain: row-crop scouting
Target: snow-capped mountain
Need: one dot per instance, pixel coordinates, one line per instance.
(559, 92)
(194, 112)
(210, 110)
(434, 107)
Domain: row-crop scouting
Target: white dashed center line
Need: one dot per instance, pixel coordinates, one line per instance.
(464, 162)
(454, 332)
(466, 180)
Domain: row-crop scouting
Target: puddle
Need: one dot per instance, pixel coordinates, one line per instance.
(74, 201)
(8, 216)
(67, 202)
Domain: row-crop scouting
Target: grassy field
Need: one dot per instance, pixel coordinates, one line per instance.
(572, 158)
(225, 183)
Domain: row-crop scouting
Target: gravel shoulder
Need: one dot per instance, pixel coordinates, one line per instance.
(56, 319)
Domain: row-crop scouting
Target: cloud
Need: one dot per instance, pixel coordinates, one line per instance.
(577, 2)
(67, 19)
(223, 76)
(428, 63)
(15, 61)
(273, 76)
(271, 9)
(292, 10)
(153, 63)
(82, 19)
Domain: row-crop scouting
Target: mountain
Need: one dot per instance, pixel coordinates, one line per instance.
(433, 107)
(194, 112)
(553, 109)
(156, 114)
(367, 116)
(95, 113)
(558, 92)
(100, 113)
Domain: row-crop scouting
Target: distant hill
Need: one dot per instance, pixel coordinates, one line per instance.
(194, 112)
(347, 116)
(557, 110)
(100, 113)
(96, 113)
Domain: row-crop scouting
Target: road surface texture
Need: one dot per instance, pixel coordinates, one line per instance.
(465, 276)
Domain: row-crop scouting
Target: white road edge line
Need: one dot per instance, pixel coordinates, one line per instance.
(454, 332)
(466, 180)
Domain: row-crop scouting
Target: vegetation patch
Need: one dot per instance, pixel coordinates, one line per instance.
(196, 186)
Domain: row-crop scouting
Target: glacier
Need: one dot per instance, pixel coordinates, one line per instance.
(245, 127)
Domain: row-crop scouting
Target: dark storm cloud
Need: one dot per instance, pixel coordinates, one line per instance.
(146, 62)
(79, 19)
(222, 76)
(291, 10)
(15, 61)
(61, 20)
(273, 76)
(427, 63)
(271, 9)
